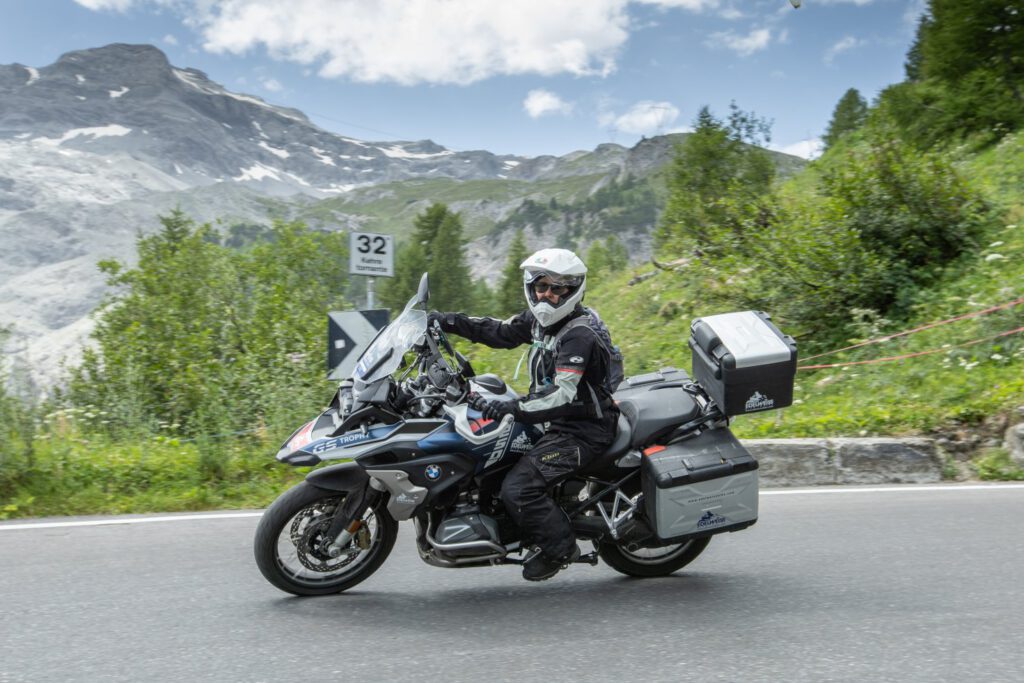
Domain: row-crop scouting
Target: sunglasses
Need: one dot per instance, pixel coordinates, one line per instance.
(557, 290)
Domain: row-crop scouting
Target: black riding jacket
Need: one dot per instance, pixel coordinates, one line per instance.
(566, 377)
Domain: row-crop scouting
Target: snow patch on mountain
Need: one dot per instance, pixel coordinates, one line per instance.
(300, 181)
(114, 94)
(113, 130)
(276, 151)
(398, 152)
(33, 75)
(258, 171)
(322, 156)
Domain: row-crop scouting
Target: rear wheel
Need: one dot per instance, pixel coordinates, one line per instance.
(291, 544)
(643, 559)
(647, 561)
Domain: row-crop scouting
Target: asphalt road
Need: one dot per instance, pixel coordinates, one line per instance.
(925, 584)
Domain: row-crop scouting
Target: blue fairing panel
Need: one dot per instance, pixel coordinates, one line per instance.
(347, 476)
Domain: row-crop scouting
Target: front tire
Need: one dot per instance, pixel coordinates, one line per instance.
(649, 562)
(290, 544)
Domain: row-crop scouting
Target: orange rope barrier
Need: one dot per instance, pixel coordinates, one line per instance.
(923, 327)
(908, 355)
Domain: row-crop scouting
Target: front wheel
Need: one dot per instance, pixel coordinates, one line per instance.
(648, 562)
(291, 543)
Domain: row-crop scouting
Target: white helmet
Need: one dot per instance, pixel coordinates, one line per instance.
(564, 268)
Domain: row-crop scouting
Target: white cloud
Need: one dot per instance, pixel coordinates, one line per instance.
(271, 84)
(541, 102)
(419, 41)
(644, 118)
(431, 41)
(758, 39)
(844, 44)
(807, 149)
(692, 5)
(169, 39)
(115, 5)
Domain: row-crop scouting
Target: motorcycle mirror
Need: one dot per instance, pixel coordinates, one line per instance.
(464, 367)
(423, 292)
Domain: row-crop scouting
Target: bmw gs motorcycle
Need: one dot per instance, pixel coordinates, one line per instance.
(408, 447)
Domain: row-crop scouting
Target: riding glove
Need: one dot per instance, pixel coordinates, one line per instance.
(443, 320)
(491, 410)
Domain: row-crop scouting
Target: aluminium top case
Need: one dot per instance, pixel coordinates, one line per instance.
(743, 361)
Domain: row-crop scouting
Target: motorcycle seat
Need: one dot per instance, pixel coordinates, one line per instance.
(656, 412)
(623, 438)
(644, 417)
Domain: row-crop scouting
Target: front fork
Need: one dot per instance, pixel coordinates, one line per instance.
(348, 516)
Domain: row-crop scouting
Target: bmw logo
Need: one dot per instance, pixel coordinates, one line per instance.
(433, 472)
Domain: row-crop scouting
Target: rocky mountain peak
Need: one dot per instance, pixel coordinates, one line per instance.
(116, 64)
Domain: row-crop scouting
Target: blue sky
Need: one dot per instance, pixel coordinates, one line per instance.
(525, 77)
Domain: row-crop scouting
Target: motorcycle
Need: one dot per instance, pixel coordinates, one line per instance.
(411, 448)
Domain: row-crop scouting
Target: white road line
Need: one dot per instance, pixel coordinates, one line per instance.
(892, 489)
(949, 488)
(130, 520)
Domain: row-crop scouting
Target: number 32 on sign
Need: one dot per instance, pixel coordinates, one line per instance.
(371, 254)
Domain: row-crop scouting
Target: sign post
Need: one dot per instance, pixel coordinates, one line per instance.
(371, 254)
(350, 332)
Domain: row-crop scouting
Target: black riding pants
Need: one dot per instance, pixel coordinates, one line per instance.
(525, 491)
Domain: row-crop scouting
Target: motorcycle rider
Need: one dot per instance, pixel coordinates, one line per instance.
(567, 391)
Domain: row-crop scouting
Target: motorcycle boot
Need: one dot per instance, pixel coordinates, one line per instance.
(540, 567)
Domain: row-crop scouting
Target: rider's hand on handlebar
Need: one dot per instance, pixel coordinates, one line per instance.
(434, 318)
(491, 410)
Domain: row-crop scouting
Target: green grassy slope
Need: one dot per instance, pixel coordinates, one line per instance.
(960, 387)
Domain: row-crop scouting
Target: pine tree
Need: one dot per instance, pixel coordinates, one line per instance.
(964, 37)
(413, 258)
(717, 178)
(849, 114)
(965, 75)
(451, 287)
(597, 258)
(618, 257)
(509, 295)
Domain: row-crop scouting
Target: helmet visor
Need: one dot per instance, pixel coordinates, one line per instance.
(531, 275)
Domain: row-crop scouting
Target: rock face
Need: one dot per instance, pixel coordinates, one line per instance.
(1014, 444)
(129, 99)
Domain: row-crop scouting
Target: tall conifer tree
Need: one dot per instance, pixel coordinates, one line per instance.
(849, 114)
(509, 297)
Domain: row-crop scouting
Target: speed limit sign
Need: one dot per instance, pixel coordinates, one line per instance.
(371, 254)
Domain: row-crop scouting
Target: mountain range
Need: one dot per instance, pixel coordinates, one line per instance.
(96, 145)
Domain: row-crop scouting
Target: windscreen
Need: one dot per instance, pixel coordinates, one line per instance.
(384, 355)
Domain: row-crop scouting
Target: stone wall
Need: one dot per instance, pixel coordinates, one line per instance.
(815, 462)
